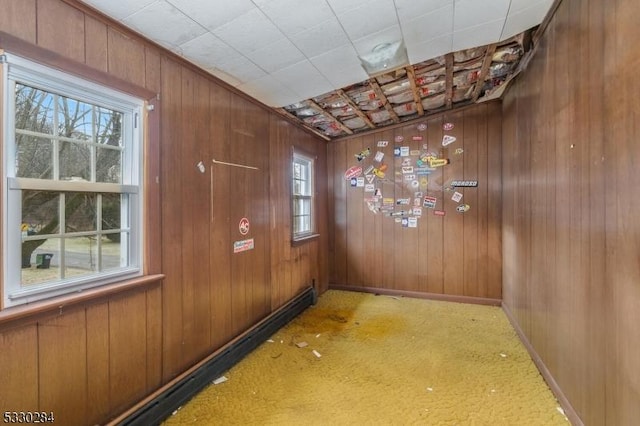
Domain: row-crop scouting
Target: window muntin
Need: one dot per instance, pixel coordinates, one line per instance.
(302, 196)
(72, 179)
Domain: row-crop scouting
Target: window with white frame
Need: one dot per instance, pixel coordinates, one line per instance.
(302, 194)
(72, 183)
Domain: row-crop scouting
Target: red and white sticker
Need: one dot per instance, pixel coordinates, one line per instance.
(457, 196)
(399, 138)
(422, 127)
(439, 212)
(447, 126)
(352, 172)
(416, 138)
(243, 226)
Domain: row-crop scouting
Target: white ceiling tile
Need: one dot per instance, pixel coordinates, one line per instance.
(291, 18)
(270, 91)
(520, 5)
(341, 6)
(212, 13)
(469, 13)
(119, 9)
(227, 78)
(154, 20)
(304, 79)
(277, 55)
(430, 49)
(525, 19)
(369, 18)
(209, 51)
(242, 69)
(426, 27)
(477, 36)
(249, 32)
(410, 9)
(322, 38)
(340, 66)
(387, 35)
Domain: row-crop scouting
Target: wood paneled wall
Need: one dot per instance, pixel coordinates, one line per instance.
(90, 362)
(459, 254)
(571, 232)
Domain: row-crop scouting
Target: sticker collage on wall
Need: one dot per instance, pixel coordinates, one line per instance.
(414, 187)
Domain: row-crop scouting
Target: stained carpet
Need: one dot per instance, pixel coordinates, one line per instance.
(382, 360)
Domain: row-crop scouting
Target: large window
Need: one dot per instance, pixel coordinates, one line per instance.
(302, 194)
(72, 182)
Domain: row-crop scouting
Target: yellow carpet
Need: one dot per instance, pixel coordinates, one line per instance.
(383, 361)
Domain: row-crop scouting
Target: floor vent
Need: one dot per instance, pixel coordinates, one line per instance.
(157, 410)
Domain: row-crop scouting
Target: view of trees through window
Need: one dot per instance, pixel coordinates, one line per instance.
(62, 140)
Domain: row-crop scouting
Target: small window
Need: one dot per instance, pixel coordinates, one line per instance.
(302, 195)
(73, 183)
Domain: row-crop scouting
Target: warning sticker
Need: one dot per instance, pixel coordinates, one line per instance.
(244, 245)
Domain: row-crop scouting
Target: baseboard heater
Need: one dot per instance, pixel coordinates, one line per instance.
(163, 405)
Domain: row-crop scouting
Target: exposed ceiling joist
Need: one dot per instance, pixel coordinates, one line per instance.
(414, 88)
(355, 108)
(449, 79)
(486, 63)
(381, 96)
(338, 123)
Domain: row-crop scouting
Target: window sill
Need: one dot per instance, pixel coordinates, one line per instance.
(35, 310)
(303, 240)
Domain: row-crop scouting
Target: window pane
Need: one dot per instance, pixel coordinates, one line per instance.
(112, 250)
(111, 208)
(43, 263)
(74, 119)
(40, 212)
(296, 171)
(80, 256)
(108, 127)
(34, 109)
(108, 165)
(80, 212)
(75, 161)
(34, 157)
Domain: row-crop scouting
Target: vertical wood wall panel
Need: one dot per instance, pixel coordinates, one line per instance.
(98, 380)
(18, 18)
(574, 142)
(62, 342)
(61, 29)
(458, 254)
(19, 369)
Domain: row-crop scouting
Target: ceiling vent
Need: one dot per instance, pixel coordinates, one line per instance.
(384, 58)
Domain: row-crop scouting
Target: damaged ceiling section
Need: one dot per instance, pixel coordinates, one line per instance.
(440, 84)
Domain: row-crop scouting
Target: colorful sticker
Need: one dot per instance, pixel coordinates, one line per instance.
(413, 222)
(429, 202)
(396, 151)
(417, 211)
(379, 156)
(409, 177)
(244, 245)
(370, 178)
(408, 169)
(463, 208)
(383, 167)
(405, 222)
(354, 182)
(416, 202)
(448, 140)
(457, 196)
(459, 151)
(424, 182)
(398, 220)
(399, 138)
(354, 171)
(382, 144)
(464, 183)
(404, 151)
(403, 201)
(415, 184)
(406, 162)
(438, 162)
(417, 138)
(422, 127)
(439, 212)
(369, 187)
(243, 226)
(418, 195)
(379, 173)
(368, 170)
(363, 154)
(388, 201)
(414, 152)
(360, 182)
(447, 126)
